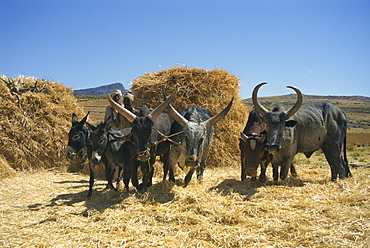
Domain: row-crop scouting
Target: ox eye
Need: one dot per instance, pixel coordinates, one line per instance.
(76, 137)
(101, 141)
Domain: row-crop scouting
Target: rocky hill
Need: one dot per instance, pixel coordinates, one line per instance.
(101, 90)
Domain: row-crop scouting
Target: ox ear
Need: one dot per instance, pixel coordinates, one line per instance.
(243, 137)
(290, 123)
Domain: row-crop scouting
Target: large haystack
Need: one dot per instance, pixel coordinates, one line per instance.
(35, 120)
(207, 89)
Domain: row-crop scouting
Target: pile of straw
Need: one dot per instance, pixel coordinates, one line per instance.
(34, 125)
(212, 90)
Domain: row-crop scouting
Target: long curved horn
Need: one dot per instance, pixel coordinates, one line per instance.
(298, 103)
(158, 110)
(177, 116)
(123, 111)
(174, 114)
(260, 109)
(214, 119)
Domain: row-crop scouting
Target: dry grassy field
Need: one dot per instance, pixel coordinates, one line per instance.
(50, 209)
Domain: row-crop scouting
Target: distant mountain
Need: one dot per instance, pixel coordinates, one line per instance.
(101, 90)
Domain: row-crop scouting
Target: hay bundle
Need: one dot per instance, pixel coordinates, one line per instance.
(34, 124)
(201, 88)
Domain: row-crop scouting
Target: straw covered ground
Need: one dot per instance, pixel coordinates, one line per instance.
(195, 87)
(50, 209)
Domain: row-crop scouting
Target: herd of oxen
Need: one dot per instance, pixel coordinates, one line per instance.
(270, 136)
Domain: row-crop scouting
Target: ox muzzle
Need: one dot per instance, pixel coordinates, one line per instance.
(143, 156)
(191, 160)
(273, 147)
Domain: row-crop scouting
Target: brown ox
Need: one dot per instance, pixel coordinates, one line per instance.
(253, 150)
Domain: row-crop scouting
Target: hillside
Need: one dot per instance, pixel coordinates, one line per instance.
(357, 108)
(101, 90)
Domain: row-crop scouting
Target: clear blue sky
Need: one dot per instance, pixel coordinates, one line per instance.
(320, 46)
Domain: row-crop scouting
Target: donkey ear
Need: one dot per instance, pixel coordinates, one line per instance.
(74, 118)
(290, 123)
(90, 126)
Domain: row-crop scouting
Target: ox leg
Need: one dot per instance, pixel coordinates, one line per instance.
(134, 179)
(243, 174)
(334, 159)
(293, 171)
(189, 176)
(285, 168)
(200, 171)
(263, 172)
(119, 177)
(91, 182)
(275, 173)
(168, 168)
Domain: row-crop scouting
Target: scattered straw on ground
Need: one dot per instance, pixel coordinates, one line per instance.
(200, 88)
(49, 209)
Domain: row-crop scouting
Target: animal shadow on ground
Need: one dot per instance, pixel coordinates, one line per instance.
(230, 186)
(100, 200)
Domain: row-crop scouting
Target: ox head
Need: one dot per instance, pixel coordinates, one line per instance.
(77, 139)
(196, 137)
(141, 126)
(252, 143)
(277, 119)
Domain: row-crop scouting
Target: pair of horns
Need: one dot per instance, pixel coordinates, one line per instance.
(131, 116)
(262, 110)
(208, 123)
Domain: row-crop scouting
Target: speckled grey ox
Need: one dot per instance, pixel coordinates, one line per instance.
(305, 128)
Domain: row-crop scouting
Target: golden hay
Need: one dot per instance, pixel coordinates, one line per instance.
(212, 90)
(49, 209)
(34, 127)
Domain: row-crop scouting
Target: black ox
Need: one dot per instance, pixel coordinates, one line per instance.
(147, 135)
(305, 128)
(193, 131)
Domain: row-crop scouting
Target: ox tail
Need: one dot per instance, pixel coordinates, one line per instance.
(345, 160)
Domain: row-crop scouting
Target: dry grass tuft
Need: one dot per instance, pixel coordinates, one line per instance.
(34, 125)
(201, 88)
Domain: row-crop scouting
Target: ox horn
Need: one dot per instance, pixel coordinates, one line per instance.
(298, 103)
(260, 109)
(174, 114)
(214, 119)
(123, 111)
(158, 110)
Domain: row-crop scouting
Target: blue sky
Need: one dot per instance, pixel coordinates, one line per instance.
(320, 46)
